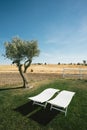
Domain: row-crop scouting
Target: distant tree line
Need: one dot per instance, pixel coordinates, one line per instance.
(84, 63)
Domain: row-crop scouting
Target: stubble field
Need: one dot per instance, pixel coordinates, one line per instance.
(37, 74)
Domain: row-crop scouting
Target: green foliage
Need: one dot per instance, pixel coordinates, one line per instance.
(19, 50)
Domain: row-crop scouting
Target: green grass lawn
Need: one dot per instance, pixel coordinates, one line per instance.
(18, 113)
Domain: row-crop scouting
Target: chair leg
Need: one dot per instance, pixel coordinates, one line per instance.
(45, 105)
(33, 102)
(51, 108)
(66, 112)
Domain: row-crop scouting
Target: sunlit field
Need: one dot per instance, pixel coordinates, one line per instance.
(49, 68)
(38, 74)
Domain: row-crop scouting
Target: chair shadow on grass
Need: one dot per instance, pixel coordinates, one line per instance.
(37, 113)
(44, 116)
(27, 108)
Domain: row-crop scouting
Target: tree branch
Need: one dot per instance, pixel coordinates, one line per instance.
(27, 64)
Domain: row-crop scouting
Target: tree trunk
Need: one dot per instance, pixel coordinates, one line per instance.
(24, 78)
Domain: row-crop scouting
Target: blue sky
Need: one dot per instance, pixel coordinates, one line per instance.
(60, 26)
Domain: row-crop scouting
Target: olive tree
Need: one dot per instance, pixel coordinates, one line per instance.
(84, 62)
(21, 53)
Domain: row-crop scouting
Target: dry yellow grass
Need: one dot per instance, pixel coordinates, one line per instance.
(9, 75)
(51, 68)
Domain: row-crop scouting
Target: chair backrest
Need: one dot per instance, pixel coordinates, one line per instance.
(47, 93)
(44, 95)
(63, 98)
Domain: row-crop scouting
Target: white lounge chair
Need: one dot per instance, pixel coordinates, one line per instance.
(42, 98)
(61, 101)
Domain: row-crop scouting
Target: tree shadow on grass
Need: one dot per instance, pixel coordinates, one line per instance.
(27, 108)
(3, 89)
(44, 116)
